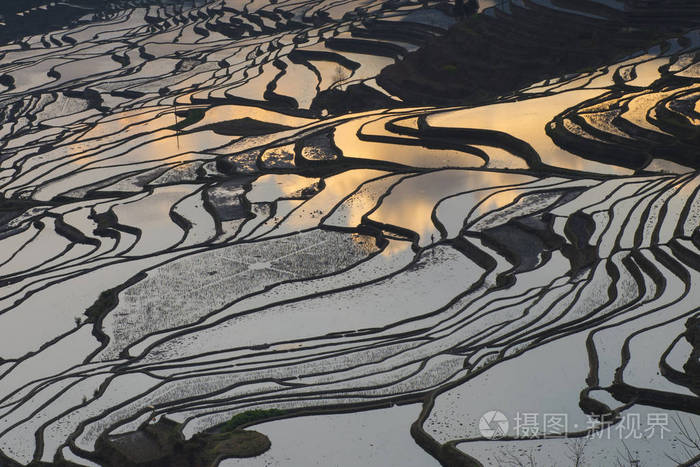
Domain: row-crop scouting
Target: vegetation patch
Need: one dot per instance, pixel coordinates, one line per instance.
(245, 127)
(250, 416)
(162, 444)
(193, 116)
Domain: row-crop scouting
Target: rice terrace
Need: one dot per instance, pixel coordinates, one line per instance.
(350, 233)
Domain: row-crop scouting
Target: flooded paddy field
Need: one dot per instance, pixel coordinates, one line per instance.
(231, 233)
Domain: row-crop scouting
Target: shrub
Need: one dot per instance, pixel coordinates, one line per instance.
(251, 416)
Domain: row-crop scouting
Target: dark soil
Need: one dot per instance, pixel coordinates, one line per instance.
(482, 57)
(161, 445)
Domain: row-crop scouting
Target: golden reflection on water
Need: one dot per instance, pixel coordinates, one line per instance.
(270, 187)
(130, 122)
(411, 204)
(346, 139)
(408, 205)
(527, 120)
(174, 147)
(404, 208)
